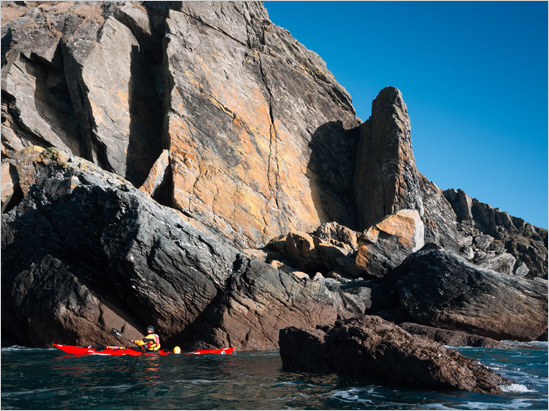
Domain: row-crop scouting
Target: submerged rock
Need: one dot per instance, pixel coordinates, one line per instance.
(373, 347)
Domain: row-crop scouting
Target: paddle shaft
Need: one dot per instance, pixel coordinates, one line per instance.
(119, 334)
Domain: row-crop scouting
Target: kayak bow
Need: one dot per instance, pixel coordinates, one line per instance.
(71, 349)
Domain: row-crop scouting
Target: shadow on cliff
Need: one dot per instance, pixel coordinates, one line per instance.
(331, 171)
(148, 92)
(53, 102)
(62, 266)
(146, 114)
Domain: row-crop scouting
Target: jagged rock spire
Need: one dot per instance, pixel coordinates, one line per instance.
(386, 178)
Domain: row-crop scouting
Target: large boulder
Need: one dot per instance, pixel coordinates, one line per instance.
(10, 191)
(84, 251)
(373, 347)
(386, 244)
(311, 254)
(441, 289)
(338, 235)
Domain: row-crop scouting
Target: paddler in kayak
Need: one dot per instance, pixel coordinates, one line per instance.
(151, 342)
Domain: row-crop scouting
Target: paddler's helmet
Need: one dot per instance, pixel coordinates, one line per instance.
(150, 329)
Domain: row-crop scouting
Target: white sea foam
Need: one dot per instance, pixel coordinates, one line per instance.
(515, 388)
(346, 395)
(21, 348)
(526, 344)
(513, 405)
(351, 396)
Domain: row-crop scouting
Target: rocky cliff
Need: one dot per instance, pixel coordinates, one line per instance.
(85, 251)
(191, 165)
(259, 134)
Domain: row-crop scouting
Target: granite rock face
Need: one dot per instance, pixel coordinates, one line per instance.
(249, 116)
(371, 346)
(84, 252)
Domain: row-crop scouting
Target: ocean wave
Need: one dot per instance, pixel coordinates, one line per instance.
(526, 344)
(513, 405)
(21, 348)
(351, 395)
(515, 388)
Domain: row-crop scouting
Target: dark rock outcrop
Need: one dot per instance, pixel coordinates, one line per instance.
(522, 240)
(441, 289)
(84, 252)
(371, 346)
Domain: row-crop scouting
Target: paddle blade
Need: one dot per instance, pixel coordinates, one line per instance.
(119, 335)
(116, 332)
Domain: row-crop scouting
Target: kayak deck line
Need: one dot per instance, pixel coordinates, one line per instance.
(115, 350)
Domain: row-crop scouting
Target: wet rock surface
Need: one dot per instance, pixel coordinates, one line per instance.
(371, 346)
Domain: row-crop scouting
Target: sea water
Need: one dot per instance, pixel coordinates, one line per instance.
(49, 379)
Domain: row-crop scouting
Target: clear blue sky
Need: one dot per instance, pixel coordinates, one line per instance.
(474, 78)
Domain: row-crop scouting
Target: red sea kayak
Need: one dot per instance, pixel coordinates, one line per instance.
(71, 349)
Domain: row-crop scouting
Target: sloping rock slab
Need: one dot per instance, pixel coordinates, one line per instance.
(441, 289)
(260, 300)
(371, 346)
